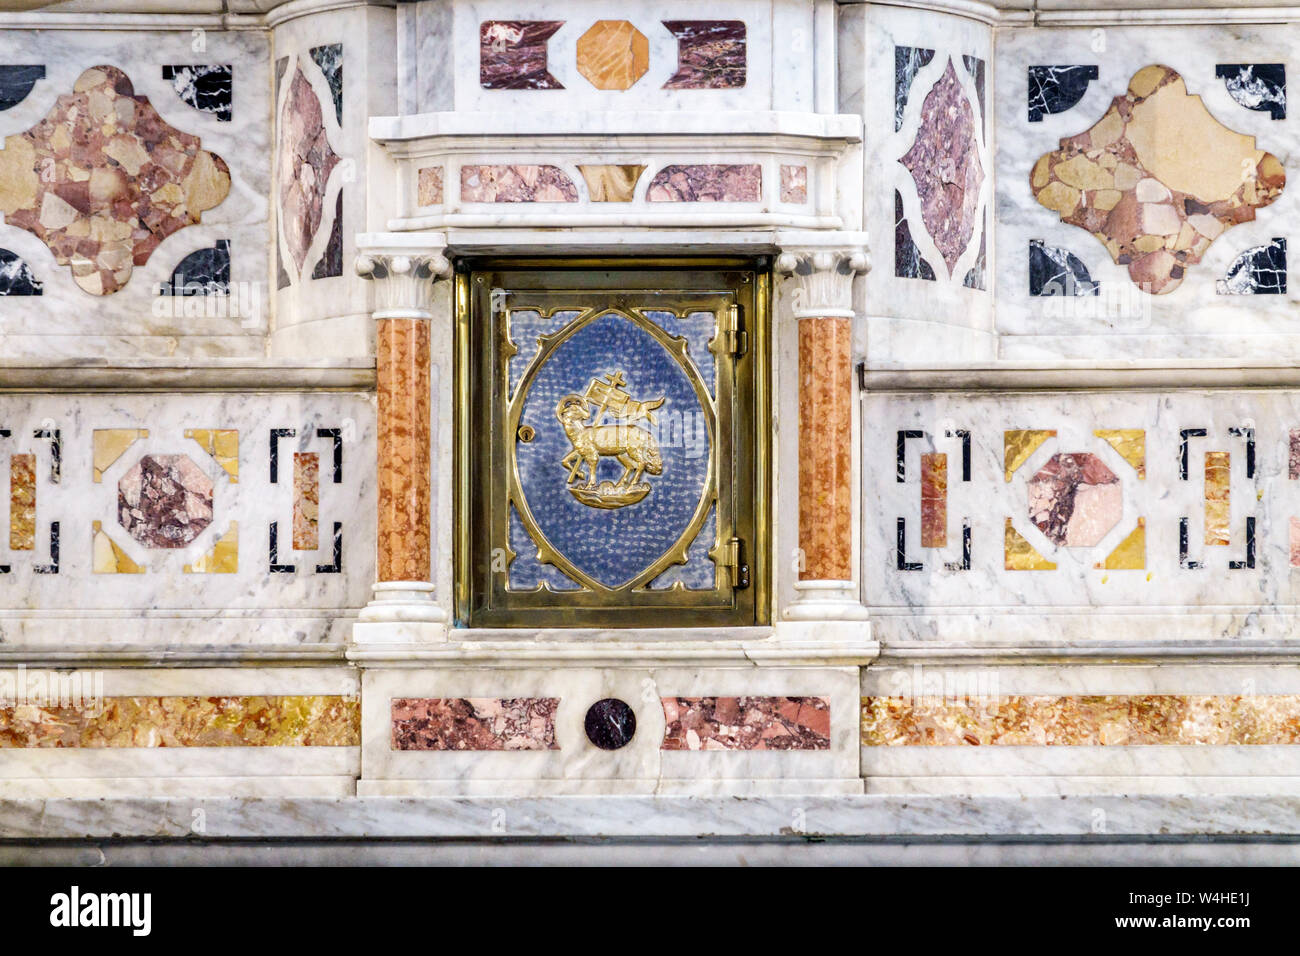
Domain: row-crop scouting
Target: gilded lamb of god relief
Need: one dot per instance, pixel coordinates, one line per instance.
(1157, 179)
(633, 447)
(103, 179)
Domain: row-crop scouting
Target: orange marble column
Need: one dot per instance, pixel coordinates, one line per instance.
(402, 382)
(404, 314)
(821, 299)
(825, 445)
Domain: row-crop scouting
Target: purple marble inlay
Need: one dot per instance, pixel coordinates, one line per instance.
(512, 54)
(707, 183)
(516, 184)
(710, 54)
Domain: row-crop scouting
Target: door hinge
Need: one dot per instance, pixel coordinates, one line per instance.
(730, 334)
(733, 556)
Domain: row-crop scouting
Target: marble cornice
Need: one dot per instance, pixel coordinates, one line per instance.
(1077, 375)
(172, 375)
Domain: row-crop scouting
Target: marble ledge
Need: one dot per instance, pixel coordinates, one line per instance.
(874, 818)
(206, 374)
(1072, 374)
(618, 649)
(393, 131)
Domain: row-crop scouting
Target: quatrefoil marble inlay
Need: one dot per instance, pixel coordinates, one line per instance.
(103, 179)
(1157, 179)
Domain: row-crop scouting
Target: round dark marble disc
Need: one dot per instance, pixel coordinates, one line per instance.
(610, 724)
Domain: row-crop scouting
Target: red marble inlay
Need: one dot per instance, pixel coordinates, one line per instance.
(474, 723)
(934, 501)
(747, 723)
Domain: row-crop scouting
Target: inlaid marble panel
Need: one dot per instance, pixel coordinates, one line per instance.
(120, 503)
(746, 723)
(474, 723)
(1078, 499)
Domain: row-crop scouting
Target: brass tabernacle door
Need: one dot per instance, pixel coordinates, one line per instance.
(612, 444)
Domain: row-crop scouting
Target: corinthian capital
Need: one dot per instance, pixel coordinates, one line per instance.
(823, 278)
(403, 282)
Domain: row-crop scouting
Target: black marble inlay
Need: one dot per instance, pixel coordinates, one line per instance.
(908, 261)
(901, 450)
(1055, 89)
(975, 67)
(276, 435)
(275, 566)
(975, 275)
(1260, 270)
(964, 435)
(1183, 560)
(1249, 563)
(202, 272)
(16, 276)
(337, 435)
(1256, 86)
(610, 724)
(1184, 443)
(54, 437)
(53, 566)
(331, 260)
(1056, 271)
(330, 60)
(964, 563)
(16, 81)
(902, 563)
(1248, 434)
(908, 61)
(337, 566)
(205, 86)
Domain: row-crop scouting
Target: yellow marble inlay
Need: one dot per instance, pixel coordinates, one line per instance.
(1131, 553)
(222, 444)
(1018, 444)
(273, 721)
(22, 503)
(108, 445)
(1218, 505)
(224, 556)
(1114, 720)
(611, 183)
(1020, 555)
(108, 558)
(1131, 443)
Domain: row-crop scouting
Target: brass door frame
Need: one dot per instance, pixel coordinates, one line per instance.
(483, 478)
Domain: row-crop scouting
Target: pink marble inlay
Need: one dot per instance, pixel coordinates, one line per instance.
(945, 165)
(794, 184)
(707, 183)
(747, 723)
(1075, 499)
(516, 184)
(1295, 542)
(474, 723)
(428, 186)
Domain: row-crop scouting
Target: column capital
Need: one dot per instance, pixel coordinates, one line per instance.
(823, 275)
(403, 281)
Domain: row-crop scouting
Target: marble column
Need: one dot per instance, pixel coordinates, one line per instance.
(404, 591)
(822, 303)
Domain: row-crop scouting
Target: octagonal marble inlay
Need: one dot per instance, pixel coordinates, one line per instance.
(103, 179)
(1157, 179)
(613, 55)
(164, 501)
(1075, 500)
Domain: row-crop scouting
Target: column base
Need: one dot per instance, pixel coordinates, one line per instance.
(824, 611)
(401, 612)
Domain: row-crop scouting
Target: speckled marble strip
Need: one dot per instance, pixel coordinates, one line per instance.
(306, 500)
(746, 723)
(22, 503)
(1218, 503)
(707, 183)
(1111, 720)
(402, 383)
(428, 187)
(273, 721)
(934, 501)
(474, 723)
(516, 184)
(825, 440)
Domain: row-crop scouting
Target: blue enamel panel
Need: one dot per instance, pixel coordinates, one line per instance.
(614, 545)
